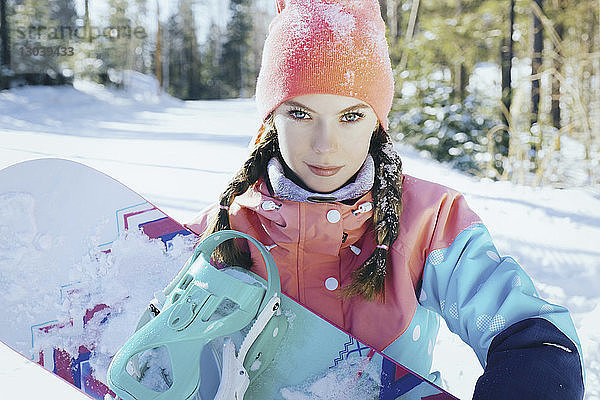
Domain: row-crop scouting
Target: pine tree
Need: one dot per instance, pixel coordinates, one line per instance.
(211, 57)
(184, 64)
(236, 74)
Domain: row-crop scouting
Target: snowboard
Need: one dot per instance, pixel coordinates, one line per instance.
(17, 373)
(81, 255)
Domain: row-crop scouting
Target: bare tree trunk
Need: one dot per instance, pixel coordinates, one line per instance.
(591, 99)
(460, 74)
(242, 91)
(88, 28)
(596, 177)
(558, 70)
(460, 82)
(536, 67)
(158, 53)
(4, 35)
(507, 54)
(558, 61)
(393, 18)
(410, 31)
(165, 53)
(5, 51)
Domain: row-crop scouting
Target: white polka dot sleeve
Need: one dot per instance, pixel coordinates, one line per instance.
(479, 293)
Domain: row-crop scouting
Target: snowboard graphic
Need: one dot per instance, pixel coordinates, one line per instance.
(80, 257)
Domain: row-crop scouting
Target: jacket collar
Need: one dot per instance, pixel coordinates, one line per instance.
(287, 220)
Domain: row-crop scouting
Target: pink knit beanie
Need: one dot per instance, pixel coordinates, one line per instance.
(329, 47)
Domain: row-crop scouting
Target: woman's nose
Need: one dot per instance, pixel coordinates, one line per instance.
(325, 138)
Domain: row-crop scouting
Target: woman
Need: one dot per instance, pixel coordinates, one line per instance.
(378, 253)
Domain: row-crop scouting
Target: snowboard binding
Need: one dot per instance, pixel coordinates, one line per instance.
(192, 327)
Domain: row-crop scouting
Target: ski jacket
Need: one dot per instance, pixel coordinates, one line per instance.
(442, 263)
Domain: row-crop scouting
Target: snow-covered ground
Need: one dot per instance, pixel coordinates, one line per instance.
(179, 155)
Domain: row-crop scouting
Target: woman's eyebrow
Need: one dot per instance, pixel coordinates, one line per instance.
(299, 105)
(359, 106)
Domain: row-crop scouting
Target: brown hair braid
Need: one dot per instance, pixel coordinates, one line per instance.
(255, 166)
(369, 279)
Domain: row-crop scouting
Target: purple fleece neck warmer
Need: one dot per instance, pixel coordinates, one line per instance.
(285, 188)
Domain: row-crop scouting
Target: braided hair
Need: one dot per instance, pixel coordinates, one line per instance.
(228, 252)
(369, 279)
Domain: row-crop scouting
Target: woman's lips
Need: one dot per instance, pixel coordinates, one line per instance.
(323, 170)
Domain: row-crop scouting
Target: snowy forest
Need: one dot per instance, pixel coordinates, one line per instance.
(501, 89)
(158, 94)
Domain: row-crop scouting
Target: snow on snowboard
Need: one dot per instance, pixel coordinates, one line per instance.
(81, 255)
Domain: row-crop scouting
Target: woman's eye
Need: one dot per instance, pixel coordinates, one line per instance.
(299, 114)
(352, 116)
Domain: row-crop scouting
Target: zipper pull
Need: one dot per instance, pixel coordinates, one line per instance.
(363, 208)
(269, 205)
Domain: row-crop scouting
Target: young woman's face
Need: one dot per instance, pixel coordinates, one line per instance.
(324, 138)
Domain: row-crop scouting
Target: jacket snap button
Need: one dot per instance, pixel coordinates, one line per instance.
(331, 283)
(333, 216)
(269, 205)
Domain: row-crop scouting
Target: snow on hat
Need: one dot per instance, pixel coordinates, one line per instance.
(326, 47)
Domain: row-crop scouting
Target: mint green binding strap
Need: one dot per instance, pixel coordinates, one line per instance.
(208, 245)
(185, 325)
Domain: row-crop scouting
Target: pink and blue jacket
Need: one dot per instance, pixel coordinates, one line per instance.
(443, 263)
